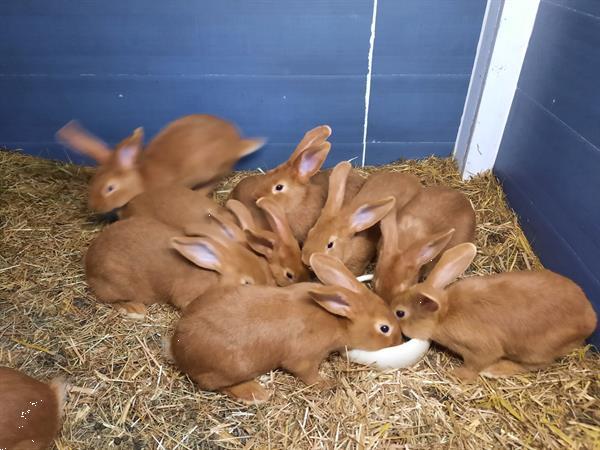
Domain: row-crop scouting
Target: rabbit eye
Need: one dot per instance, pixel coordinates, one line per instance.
(289, 274)
(110, 188)
(385, 329)
(399, 314)
(330, 245)
(279, 187)
(246, 282)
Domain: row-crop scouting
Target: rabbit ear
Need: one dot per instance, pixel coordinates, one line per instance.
(389, 232)
(311, 137)
(262, 242)
(82, 141)
(202, 251)
(334, 300)
(451, 265)
(308, 162)
(332, 271)
(429, 299)
(249, 146)
(129, 149)
(241, 213)
(425, 250)
(369, 214)
(230, 230)
(337, 187)
(277, 220)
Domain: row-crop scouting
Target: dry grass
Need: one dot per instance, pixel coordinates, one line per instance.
(124, 395)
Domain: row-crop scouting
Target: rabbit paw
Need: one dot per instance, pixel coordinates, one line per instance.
(132, 310)
(248, 393)
(325, 385)
(464, 374)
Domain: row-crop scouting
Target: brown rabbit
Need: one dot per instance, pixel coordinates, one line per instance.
(279, 246)
(190, 211)
(31, 411)
(190, 151)
(435, 219)
(500, 324)
(135, 262)
(347, 231)
(296, 185)
(218, 344)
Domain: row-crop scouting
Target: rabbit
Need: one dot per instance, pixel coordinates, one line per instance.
(500, 324)
(437, 218)
(190, 151)
(234, 335)
(31, 413)
(195, 214)
(296, 185)
(190, 211)
(138, 261)
(277, 244)
(348, 231)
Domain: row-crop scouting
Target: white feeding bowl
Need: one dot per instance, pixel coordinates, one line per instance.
(366, 277)
(396, 357)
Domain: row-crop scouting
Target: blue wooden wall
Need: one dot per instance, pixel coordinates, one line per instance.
(549, 161)
(276, 68)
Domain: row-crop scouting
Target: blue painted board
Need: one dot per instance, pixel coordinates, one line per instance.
(562, 65)
(267, 157)
(569, 192)
(416, 108)
(184, 37)
(275, 68)
(550, 246)
(582, 6)
(551, 177)
(387, 152)
(549, 159)
(427, 36)
(280, 108)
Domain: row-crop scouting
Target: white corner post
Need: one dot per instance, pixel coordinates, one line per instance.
(503, 43)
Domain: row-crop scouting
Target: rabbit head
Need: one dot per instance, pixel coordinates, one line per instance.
(279, 246)
(287, 183)
(117, 179)
(397, 270)
(371, 324)
(336, 227)
(422, 306)
(234, 262)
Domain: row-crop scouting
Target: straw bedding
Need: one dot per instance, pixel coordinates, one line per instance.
(125, 395)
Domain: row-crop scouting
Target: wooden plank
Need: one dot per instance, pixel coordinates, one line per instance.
(591, 7)
(387, 152)
(427, 36)
(561, 70)
(549, 245)
(551, 178)
(278, 108)
(184, 37)
(266, 158)
(483, 59)
(512, 39)
(275, 68)
(417, 108)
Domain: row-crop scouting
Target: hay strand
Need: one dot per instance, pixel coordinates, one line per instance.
(125, 395)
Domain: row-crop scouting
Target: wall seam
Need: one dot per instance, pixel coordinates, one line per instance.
(368, 83)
